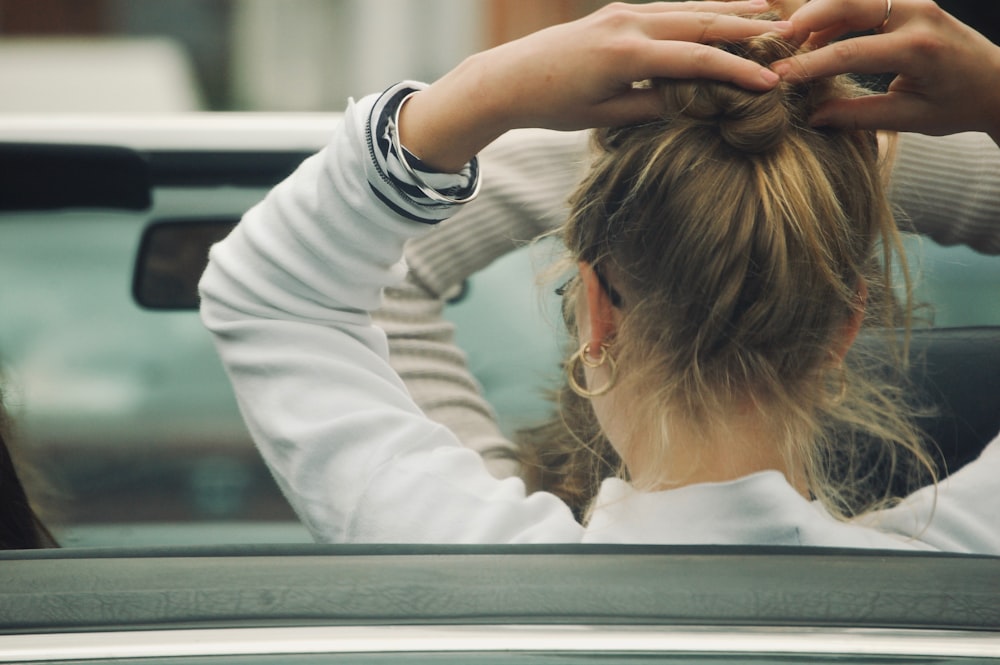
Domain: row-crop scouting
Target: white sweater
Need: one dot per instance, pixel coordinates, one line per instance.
(288, 297)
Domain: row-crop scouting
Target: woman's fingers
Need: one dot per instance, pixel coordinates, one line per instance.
(851, 15)
(636, 105)
(823, 37)
(875, 54)
(678, 60)
(684, 60)
(679, 49)
(708, 27)
(896, 110)
(582, 74)
(945, 72)
(745, 7)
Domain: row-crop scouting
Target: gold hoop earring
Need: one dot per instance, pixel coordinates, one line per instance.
(583, 356)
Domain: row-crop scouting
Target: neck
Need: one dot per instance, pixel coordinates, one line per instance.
(741, 446)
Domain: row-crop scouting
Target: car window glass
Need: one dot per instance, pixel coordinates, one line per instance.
(130, 418)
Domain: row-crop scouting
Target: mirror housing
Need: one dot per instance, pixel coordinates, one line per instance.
(171, 258)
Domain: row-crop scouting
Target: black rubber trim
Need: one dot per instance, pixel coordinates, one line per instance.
(54, 177)
(41, 176)
(256, 168)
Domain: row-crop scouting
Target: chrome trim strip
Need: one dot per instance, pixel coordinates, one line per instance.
(175, 131)
(495, 638)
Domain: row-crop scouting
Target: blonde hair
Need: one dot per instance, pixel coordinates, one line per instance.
(741, 242)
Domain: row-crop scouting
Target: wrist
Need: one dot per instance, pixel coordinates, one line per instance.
(414, 172)
(447, 124)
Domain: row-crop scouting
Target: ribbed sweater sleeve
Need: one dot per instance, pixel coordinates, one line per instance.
(529, 175)
(949, 188)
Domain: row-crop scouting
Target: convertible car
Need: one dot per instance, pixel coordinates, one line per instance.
(178, 548)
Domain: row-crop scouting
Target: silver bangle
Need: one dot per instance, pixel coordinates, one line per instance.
(424, 188)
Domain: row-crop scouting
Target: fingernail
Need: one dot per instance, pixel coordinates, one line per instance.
(769, 77)
(783, 26)
(758, 3)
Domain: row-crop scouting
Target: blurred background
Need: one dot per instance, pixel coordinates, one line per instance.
(261, 55)
(245, 55)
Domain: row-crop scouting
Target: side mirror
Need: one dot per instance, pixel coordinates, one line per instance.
(172, 256)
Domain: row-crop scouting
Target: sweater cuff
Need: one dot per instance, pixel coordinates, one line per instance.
(402, 181)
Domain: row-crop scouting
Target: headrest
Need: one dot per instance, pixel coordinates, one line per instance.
(957, 371)
(955, 378)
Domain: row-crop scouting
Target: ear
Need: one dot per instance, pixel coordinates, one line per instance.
(603, 316)
(852, 326)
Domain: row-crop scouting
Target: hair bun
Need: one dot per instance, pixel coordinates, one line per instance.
(749, 121)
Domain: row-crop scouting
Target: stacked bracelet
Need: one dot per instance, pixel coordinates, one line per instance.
(428, 191)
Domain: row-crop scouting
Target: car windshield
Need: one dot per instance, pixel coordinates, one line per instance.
(124, 418)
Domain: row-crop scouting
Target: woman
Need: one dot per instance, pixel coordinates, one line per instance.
(288, 294)
(948, 188)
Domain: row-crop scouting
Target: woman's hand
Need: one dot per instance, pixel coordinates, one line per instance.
(948, 75)
(580, 74)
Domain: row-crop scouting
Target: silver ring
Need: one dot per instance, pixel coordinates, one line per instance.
(888, 13)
